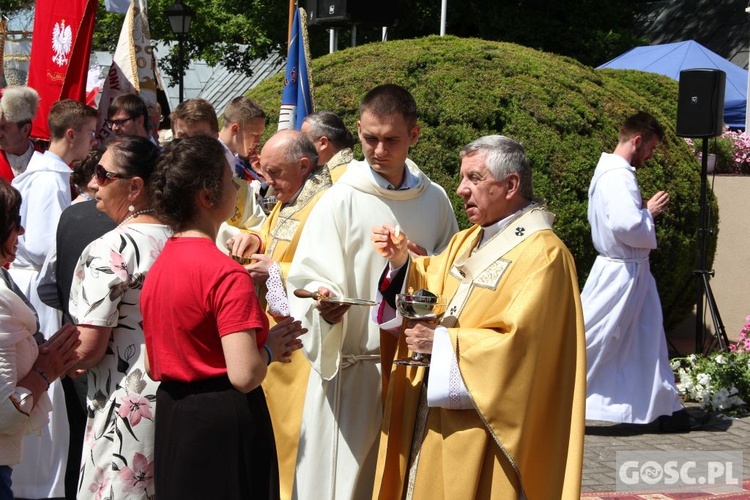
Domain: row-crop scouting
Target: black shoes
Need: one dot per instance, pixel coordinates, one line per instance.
(681, 421)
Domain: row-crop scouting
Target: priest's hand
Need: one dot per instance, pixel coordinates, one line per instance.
(331, 312)
(243, 244)
(658, 203)
(259, 268)
(419, 336)
(391, 243)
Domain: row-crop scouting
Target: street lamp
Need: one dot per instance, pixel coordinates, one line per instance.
(180, 16)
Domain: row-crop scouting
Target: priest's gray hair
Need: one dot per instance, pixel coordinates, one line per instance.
(503, 156)
(299, 146)
(330, 125)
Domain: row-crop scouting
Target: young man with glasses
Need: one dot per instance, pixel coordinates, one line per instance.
(128, 115)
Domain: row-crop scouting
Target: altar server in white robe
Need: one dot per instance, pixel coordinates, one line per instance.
(343, 408)
(45, 188)
(629, 378)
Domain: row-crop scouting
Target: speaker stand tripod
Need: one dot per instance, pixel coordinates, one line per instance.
(703, 286)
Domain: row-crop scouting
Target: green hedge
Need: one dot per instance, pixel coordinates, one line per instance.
(563, 112)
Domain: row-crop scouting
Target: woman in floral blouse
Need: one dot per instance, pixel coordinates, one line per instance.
(118, 449)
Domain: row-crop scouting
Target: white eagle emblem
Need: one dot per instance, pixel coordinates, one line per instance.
(62, 40)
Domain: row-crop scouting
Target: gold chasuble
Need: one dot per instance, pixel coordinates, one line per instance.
(516, 329)
(338, 162)
(285, 384)
(247, 213)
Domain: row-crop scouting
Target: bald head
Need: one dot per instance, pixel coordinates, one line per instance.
(286, 161)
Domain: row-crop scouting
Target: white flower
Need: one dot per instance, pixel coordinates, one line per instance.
(710, 380)
(703, 379)
(686, 382)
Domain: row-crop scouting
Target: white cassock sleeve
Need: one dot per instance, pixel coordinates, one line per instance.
(445, 387)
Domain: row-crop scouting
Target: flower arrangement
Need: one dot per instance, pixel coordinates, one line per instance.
(720, 381)
(732, 150)
(741, 150)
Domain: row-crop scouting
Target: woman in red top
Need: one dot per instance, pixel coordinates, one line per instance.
(206, 340)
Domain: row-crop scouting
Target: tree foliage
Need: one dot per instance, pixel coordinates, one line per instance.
(230, 32)
(564, 113)
(590, 31)
(234, 32)
(10, 6)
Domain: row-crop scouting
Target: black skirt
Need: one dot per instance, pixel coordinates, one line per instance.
(214, 442)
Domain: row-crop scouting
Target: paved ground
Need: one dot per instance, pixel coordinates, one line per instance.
(603, 440)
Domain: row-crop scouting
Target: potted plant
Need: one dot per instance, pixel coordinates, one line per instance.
(719, 381)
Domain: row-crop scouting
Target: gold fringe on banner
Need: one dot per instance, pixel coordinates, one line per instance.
(3, 37)
(306, 45)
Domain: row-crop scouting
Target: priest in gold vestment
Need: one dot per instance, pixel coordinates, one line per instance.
(289, 164)
(500, 412)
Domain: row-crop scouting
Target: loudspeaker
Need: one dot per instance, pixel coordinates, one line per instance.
(339, 13)
(700, 103)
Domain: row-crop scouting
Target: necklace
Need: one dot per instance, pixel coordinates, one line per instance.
(134, 215)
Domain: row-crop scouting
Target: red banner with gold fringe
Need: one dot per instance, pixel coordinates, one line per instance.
(60, 53)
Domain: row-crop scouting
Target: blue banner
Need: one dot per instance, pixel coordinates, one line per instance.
(296, 100)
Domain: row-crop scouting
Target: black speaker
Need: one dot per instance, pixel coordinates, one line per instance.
(700, 103)
(340, 13)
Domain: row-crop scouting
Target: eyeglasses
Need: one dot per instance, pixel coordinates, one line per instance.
(103, 176)
(118, 123)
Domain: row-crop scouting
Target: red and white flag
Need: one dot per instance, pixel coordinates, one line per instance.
(60, 54)
(133, 69)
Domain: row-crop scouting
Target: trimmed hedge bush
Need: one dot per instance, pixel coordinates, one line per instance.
(564, 113)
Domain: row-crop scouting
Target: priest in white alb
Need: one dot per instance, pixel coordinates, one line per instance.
(343, 407)
(629, 378)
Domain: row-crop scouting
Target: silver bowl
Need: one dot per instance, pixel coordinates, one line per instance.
(420, 307)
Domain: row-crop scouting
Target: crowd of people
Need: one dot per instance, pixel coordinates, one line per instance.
(207, 318)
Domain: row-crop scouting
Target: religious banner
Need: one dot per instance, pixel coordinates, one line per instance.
(296, 100)
(133, 69)
(60, 54)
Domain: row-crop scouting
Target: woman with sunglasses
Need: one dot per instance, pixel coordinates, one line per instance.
(105, 298)
(26, 369)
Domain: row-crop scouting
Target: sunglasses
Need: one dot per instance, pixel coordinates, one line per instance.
(118, 123)
(103, 176)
